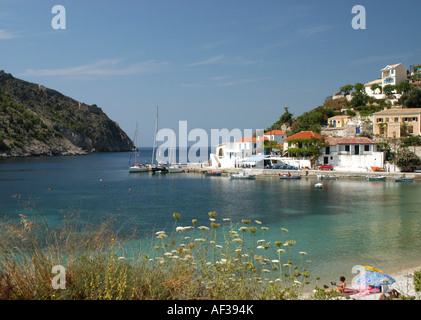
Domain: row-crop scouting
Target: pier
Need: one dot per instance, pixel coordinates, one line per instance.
(197, 168)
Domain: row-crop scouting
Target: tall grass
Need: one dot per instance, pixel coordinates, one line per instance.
(219, 260)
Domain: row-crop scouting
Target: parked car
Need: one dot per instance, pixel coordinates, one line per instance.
(326, 167)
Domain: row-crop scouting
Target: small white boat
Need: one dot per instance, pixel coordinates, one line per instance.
(242, 175)
(378, 178)
(175, 168)
(138, 168)
(318, 185)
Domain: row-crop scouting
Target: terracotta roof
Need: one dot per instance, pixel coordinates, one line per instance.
(394, 111)
(350, 140)
(339, 117)
(391, 66)
(252, 139)
(276, 132)
(305, 135)
(373, 82)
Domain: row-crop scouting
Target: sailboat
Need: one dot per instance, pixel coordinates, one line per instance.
(173, 167)
(156, 168)
(137, 167)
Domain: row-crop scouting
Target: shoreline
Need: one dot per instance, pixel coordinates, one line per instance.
(196, 168)
(404, 283)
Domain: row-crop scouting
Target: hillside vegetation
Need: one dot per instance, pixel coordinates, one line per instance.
(35, 120)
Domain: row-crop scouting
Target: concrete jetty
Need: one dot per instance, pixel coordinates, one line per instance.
(195, 168)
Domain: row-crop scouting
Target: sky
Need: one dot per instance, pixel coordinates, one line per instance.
(233, 64)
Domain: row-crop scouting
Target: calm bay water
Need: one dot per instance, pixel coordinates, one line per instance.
(349, 222)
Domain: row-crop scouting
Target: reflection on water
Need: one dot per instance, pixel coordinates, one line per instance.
(348, 222)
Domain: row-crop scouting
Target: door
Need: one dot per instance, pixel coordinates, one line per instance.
(357, 149)
(325, 160)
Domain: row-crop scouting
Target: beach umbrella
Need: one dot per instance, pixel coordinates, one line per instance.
(374, 278)
(368, 268)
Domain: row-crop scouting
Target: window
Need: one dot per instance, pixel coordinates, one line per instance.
(367, 147)
(411, 129)
(379, 120)
(347, 148)
(405, 119)
(386, 120)
(396, 119)
(414, 119)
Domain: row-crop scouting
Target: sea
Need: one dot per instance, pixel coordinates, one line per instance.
(350, 222)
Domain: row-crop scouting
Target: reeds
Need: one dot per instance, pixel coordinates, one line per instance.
(218, 260)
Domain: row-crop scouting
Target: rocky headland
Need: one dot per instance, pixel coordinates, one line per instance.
(37, 121)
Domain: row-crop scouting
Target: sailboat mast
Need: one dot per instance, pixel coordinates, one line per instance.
(154, 138)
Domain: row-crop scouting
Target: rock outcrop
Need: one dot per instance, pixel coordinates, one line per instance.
(36, 121)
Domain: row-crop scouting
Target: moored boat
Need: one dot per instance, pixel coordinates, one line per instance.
(213, 174)
(318, 185)
(378, 178)
(242, 175)
(329, 178)
(404, 179)
(289, 177)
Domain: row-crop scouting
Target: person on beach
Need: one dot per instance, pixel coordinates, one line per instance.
(340, 288)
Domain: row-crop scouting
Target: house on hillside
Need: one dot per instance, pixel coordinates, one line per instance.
(338, 121)
(276, 135)
(377, 93)
(388, 123)
(394, 74)
(356, 154)
(391, 74)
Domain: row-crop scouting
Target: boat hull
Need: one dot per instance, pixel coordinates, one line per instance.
(290, 177)
(404, 180)
(242, 177)
(376, 178)
(135, 169)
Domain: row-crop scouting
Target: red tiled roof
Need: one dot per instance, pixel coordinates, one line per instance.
(352, 140)
(305, 135)
(252, 139)
(276, 132)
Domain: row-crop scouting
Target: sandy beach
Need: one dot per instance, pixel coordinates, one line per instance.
(404, 284)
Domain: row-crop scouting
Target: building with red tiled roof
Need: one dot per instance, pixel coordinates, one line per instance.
(252, 139)
(300, 140)
(352, 154)
(305, 135)
(276, 135)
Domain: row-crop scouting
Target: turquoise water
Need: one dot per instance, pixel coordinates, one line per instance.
(349, 222)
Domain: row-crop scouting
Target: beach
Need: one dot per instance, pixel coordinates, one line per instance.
(404, 284)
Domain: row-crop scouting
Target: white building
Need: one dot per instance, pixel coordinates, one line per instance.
(391, 74)
(356, 154)
(378, 92)
(394, 74)
(276, 135)
(231, 154)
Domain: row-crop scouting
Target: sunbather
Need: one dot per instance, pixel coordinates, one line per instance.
(341, 287)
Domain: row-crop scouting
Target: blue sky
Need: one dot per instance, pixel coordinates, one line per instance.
(216, 64)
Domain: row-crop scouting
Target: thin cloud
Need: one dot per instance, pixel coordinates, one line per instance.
(6, 35)
(100, 68)
(208, 61)
(308, 32)
(218, 84)
(390, 58)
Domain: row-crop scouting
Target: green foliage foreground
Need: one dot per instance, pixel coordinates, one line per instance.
(217, 261)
